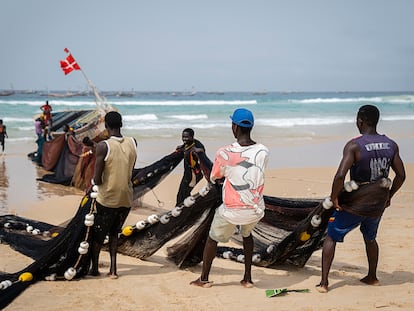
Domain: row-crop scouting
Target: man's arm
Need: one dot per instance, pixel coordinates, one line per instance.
(398, 167)
(101, 151)
(348, 159)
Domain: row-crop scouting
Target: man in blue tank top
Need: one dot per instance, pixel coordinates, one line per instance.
(368, 158)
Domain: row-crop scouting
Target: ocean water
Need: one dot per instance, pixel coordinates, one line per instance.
(280, 118)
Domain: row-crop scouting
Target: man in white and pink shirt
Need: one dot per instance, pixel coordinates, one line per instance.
(242, 164)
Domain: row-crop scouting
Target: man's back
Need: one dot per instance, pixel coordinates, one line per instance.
(116, 188)
(243, 168)
(376, 155)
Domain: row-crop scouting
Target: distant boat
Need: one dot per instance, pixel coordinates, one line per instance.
(260, 93)
(7, 93)
(67, 94)
(126, 94)
(192, 93)
(216, 93)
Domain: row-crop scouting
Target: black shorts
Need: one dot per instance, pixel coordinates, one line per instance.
(108, 221)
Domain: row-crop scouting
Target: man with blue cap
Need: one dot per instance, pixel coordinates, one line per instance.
(242, 164)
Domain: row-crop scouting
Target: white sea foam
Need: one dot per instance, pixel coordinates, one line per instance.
(189, 117)
(147, 117)
(184, 103)
(15, 119)
(290, 122)
(402, 99)
(398, 118)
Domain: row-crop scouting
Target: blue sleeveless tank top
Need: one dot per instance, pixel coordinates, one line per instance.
(377, 152)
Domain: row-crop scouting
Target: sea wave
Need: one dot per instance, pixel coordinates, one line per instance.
(291, 122)
(147, 117)
(189, 117)
(185, 103)
(401, 99)
(72, 103)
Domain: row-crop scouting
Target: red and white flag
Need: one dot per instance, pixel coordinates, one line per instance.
(69, 64)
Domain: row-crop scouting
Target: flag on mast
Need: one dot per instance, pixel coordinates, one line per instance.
(69, 64)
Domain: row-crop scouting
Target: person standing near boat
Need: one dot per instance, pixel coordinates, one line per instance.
(242, 164)
(3, 135)
(47, 114)
(115, 160)
(192, 172)
(368, 158)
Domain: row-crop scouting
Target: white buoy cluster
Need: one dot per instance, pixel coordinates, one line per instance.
(350, 186)
(83, 248)
(29, 229)
(256, 258)
(165, 218)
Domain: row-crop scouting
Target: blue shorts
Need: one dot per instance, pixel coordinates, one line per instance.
(343, 222)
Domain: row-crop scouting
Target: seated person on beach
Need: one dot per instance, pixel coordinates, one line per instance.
(192, 172)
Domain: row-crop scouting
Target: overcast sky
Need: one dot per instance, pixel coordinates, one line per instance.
(215, 45)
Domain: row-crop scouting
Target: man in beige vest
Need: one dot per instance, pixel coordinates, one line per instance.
(115, 160)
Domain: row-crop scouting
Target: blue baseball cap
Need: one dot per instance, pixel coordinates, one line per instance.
(243, 117)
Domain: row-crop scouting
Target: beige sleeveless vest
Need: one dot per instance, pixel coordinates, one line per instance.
(116, 188)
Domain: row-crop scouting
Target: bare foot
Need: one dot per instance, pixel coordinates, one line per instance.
(246, 284)
(370, 281)
(112, 276)
(200, 283)
(322, 288)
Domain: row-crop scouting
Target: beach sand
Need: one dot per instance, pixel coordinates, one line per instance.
(157, 284)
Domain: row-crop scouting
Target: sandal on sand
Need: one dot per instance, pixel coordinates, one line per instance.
(200, 283)
(322, 288)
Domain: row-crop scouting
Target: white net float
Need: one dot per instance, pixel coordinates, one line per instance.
(152, 219)
(140, 225)
(270, 249)
(189, 201)
(203, 191)
(70, 274)
(385, 183)
(176, 211)
(327, 203)
(227, 254)
(164, 219)
(88, 223)
(354, 185)
(347, 186)
(90, 217)
(256, 258)
(316, 221)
